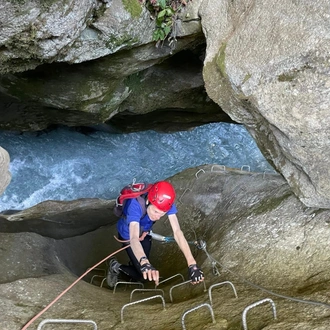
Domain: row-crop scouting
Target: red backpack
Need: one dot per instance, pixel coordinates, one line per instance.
(132, 190)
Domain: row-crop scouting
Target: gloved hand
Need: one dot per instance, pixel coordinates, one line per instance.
(146, 267)
(196, 275)
(149, 272)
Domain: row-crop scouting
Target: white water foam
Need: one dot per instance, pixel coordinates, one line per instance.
(64, 164)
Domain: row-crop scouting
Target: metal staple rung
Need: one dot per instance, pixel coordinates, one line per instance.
(140, 301)
(41, 324)
(242, 168)
(189, 281)
(218, 284)
(101, 285)
(201, 170)
(222, 166)
(145, 290)
(266, 172)
(195, 308)
(254, 305)
(127, 283)
(94, 277)
(170, 278)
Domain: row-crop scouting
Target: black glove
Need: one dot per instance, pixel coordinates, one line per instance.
(195, 273)
(145, 267)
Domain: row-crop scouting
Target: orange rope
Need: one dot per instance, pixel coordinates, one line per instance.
(141, 238)
(68, 288)
(120, 241)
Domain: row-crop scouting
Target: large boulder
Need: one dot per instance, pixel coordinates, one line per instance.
(267, 66)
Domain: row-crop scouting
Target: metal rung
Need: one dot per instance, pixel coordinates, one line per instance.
(145, 290)
(140, 301)
(218, 284)
(101, 285)
(222, 168)
(91, 281)
(195, 308)
(257, 304)
(175, 286)
(127, 283)
(201, 170)
(170, 278)
(247, 166)
(41, 324)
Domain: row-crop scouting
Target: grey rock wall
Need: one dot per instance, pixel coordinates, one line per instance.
(254, 227)
(82, 63)
(267, 66)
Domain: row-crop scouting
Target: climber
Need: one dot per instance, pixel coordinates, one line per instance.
(134, 226)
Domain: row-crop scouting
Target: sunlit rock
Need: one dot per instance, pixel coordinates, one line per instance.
(267, 66)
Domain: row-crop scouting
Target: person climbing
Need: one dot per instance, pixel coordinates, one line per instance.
(134, 227)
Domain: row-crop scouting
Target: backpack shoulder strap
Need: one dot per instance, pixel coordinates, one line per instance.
(129, 192)
(142, 200)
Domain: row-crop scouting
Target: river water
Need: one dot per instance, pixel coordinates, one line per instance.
(65, 164)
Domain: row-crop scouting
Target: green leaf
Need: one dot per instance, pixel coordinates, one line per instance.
(167, 30)
(169, 11)
(162, 3)
(156, 35)
(161, 14)
(162, 35)
(159, 22)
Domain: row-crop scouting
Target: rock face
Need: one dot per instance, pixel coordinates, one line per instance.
(73, 31)
(227, 208)
(90, 62)
(83, 63)
(267, 66)
(255, 225)
(254, 228)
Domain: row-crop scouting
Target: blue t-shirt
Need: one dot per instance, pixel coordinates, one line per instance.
(133, 212)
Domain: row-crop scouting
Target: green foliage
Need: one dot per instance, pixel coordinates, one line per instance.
(221, 59)
(165, 13)
(133, 7)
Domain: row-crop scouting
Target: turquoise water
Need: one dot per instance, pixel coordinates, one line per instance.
(64, 164)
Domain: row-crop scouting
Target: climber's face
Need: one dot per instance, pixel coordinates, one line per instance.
(154, 213)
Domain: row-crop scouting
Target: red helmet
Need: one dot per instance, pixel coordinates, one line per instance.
(162, 195)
